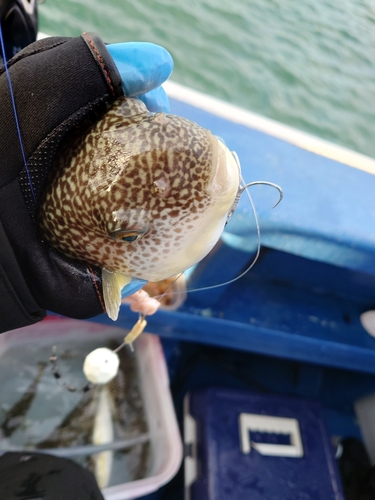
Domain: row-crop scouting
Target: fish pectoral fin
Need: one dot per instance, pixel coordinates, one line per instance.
(112, 284)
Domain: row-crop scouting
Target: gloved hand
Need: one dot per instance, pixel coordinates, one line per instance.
(24, 475)
(59, 85)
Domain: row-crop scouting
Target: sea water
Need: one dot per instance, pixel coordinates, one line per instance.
(309, 64)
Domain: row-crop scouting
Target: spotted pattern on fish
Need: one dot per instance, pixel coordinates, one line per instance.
(133, 170)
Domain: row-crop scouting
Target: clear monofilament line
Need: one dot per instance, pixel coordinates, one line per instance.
(244, 187)
(167, 291)
(89, 449)
(15, 114)
(251, 265)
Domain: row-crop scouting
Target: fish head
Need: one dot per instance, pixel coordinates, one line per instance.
(144, 195)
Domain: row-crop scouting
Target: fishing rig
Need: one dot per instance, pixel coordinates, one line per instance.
(101, 365)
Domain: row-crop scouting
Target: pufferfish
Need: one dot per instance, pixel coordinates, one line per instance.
(141, 195)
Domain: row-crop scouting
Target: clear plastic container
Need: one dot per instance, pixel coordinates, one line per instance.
(164, 452)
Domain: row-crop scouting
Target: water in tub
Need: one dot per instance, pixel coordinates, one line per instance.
(40, 410)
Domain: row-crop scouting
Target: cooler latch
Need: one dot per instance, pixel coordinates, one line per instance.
(251, 423)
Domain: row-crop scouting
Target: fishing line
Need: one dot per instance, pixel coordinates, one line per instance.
(88, 449)
(92, 449)
(244, 187)
(168, 291)
(16, 115)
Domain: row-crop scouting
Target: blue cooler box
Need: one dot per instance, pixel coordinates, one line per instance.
(242, 445)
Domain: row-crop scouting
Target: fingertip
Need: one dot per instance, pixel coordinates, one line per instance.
(156, 100)
(132, 287)
(143, 66)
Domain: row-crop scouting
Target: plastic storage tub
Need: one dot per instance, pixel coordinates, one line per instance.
(164, 437)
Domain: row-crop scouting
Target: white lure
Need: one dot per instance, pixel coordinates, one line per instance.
(103, 434)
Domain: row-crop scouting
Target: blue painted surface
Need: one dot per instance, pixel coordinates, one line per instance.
(328, 213)
(286, 306)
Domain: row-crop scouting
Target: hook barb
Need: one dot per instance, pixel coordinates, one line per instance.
(267, 183)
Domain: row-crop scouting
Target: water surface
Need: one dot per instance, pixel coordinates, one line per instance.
(309, 64)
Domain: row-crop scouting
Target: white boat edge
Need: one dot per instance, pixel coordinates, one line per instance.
(271, 127)
(268, 126)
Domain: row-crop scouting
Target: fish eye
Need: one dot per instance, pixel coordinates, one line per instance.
(128, 236)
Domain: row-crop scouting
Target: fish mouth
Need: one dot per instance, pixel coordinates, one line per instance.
(225, 176)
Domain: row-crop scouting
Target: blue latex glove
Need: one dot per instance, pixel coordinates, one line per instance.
(132, 287)
(143, 68)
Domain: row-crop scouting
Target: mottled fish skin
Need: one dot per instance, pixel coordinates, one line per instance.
(152, 173)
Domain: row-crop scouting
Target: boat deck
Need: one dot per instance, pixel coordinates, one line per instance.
(292, 324)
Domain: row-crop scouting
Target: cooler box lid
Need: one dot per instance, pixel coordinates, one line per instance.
(242, 445)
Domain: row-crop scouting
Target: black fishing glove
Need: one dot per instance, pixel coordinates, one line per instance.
(24, 476)
(60, 86)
